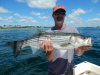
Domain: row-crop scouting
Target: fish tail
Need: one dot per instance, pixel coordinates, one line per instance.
(16, 46)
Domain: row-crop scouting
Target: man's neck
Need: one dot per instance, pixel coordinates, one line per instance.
(60, 26)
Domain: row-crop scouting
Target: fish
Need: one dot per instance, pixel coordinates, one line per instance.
(61, 41)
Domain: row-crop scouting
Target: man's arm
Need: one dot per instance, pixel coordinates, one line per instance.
(80, 50)
(48, 47)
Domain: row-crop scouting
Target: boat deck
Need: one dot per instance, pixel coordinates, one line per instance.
(86, 68)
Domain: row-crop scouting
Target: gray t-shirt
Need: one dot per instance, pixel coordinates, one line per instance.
(61, 64)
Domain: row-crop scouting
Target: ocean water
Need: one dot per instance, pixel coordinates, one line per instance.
(36, 64)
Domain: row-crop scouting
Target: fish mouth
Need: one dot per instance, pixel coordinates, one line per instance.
(89, 42)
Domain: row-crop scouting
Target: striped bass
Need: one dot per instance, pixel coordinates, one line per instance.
(61, 41)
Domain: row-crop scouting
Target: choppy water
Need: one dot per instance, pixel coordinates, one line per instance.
(28, 64)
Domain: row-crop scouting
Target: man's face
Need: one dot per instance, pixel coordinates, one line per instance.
(59, 16)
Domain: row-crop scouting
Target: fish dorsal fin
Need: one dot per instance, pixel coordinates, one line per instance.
(39, 31)
(56, 31)
(34, 49)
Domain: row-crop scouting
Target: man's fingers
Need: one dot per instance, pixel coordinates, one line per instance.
(88, 48)
(45, 45)
(48, 45)
(41, 45)
(51, 45)
(85, 48)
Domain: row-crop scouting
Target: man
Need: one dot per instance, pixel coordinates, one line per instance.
(60, 65)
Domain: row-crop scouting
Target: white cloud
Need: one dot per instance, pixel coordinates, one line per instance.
(44, 4)
(16, 14)
(41, 3)
(46, 20)
(25, 19)
(93, 22)
(94, 19)
(98, 14)
(1, 19)
(76, 21)
(75, 15)
(44, 17)
(95, 1)
(3, 10)
(36, 14)
(43, 13)
(89, 23)
(34, 21)
(20, 0)
(9, 18)
(78, 11)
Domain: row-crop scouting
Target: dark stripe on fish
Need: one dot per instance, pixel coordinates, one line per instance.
(14, 47)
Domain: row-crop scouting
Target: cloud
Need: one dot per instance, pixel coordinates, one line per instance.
(93, 22)
(98, 14)
(25, 19)
(46, 20)
(20, 0)
(9, 18)
(1, 19)
(36, 14)
(44, 4)
(3, 10)
(94, 19)
(75, 15)
(77, 21)
(16, 14)
(95, 1)
(41, 3)
(44, 17)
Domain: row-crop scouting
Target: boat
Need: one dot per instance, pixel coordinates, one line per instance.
(86, 68)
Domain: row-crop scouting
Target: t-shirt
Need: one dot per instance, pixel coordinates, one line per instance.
(61, 64)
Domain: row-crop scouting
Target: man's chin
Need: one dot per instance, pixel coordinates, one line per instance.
(59, 22)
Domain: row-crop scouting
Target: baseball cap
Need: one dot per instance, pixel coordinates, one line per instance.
(58, 7)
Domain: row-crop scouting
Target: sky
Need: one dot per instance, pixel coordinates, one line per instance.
(79, 13)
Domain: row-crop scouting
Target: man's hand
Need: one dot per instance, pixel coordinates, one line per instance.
(85, 48)
(80, 50)
(48, 45)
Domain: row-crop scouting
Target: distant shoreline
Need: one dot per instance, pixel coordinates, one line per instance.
(88, 27)
(36, 27)
(21, 27)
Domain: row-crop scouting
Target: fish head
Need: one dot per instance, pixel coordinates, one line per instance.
(88, 41)
(78, 41)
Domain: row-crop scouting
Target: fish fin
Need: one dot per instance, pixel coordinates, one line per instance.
(65, 44)
(16, 46)
(10, 44)
(39, 31)
(70, 39)
(34, 49)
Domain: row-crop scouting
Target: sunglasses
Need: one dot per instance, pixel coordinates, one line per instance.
(57, 13)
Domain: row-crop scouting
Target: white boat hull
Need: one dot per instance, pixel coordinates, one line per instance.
(86, 68)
